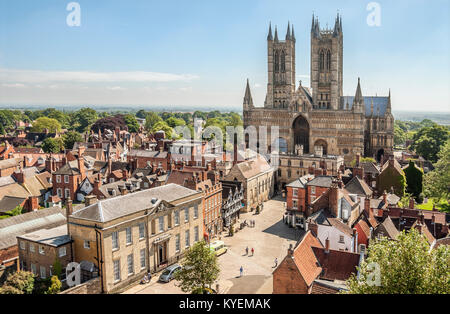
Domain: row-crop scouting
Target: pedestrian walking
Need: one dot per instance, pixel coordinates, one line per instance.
(246, 250)
(241, 271)
(253, 251)
(276, 262)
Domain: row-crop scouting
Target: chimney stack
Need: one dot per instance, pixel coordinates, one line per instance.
(411, 203)
(90, 199)
(290, 250)
(385, 197)
(313, 227)
(327, 246)
(367, 205)
(69, 211)
(355, 240)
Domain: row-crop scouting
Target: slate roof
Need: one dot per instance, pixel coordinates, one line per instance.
(392, 199)
(300, 182)
(253, 167)
(15, 226)
(321, 181)
(379, 104)
(53, 237)
(147, 153)
(358, 186)
(370, 167)
(390, 228)
(10, 202)
(116, 207)
(9, 163)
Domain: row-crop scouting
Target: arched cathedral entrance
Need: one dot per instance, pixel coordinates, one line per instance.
(301, 133)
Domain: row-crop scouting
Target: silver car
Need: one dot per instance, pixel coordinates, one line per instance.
(169, 272)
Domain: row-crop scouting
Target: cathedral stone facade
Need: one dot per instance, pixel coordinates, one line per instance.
(319, 120)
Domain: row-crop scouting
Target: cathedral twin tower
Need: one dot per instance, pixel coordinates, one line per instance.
(319, 116)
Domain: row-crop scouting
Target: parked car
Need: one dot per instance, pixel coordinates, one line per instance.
(168, 273)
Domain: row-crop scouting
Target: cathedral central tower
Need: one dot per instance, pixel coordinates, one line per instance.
(327, 65)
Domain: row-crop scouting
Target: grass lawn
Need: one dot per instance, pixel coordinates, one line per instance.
(429, 205)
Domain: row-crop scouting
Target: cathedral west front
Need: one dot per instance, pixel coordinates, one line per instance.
(319, 120)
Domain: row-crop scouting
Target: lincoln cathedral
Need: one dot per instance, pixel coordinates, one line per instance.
(319, 119)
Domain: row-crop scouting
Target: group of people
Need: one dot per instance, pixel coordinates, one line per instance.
(147, 278)
(246, 251)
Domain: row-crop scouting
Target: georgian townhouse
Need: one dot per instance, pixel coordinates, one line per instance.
(136, 233)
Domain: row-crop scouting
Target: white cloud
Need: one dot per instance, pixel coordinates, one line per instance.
(17, 85)
(33, 76)
(115, 88)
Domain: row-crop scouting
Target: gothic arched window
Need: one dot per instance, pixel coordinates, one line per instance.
(283, 61)
(328, 60)
(277, 61)
(321, 60)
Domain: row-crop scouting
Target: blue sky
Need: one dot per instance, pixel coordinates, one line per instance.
(200, 52)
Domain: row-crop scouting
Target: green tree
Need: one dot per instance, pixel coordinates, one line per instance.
(15, 211)
(174, 122)
(407, 266)
(428, 141)
(70, 138)
(437, 182)
(55, 286)
(399, 135)
(52, 145)
(62, 118)
(151, 119)
(132, 124)
(200, 268)
(141, 114)
(414, 178)
(42, 123)
(162, 126)
(9, 290)
(22, 281)
(57, 267)
(84, 118)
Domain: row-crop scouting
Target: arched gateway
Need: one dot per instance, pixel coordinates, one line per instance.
(301, 133)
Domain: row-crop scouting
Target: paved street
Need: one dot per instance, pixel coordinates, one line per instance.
(270, 239)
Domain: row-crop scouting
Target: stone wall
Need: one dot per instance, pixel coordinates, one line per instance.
(92, 286)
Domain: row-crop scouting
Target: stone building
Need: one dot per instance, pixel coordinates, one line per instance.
(40, 250)
(320, 117)
(257, 178)
(136, 233)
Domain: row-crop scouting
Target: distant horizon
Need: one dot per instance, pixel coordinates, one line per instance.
(180, 108)
(196, 53)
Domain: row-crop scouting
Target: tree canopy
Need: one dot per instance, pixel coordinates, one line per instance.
(414, 178)
(43, 123)
(200, 268)
(406, 266)
(437, 182)
(428, 141)
(52, 145)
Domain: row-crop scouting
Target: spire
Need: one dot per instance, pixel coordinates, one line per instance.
(293, 35)
(336, 26)
(371, 107)
(288, 33)
(269, 36)
(340, 23)
(358, 95)
(313, 26)
(388, 108)
(276, 34)
(248, 100)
